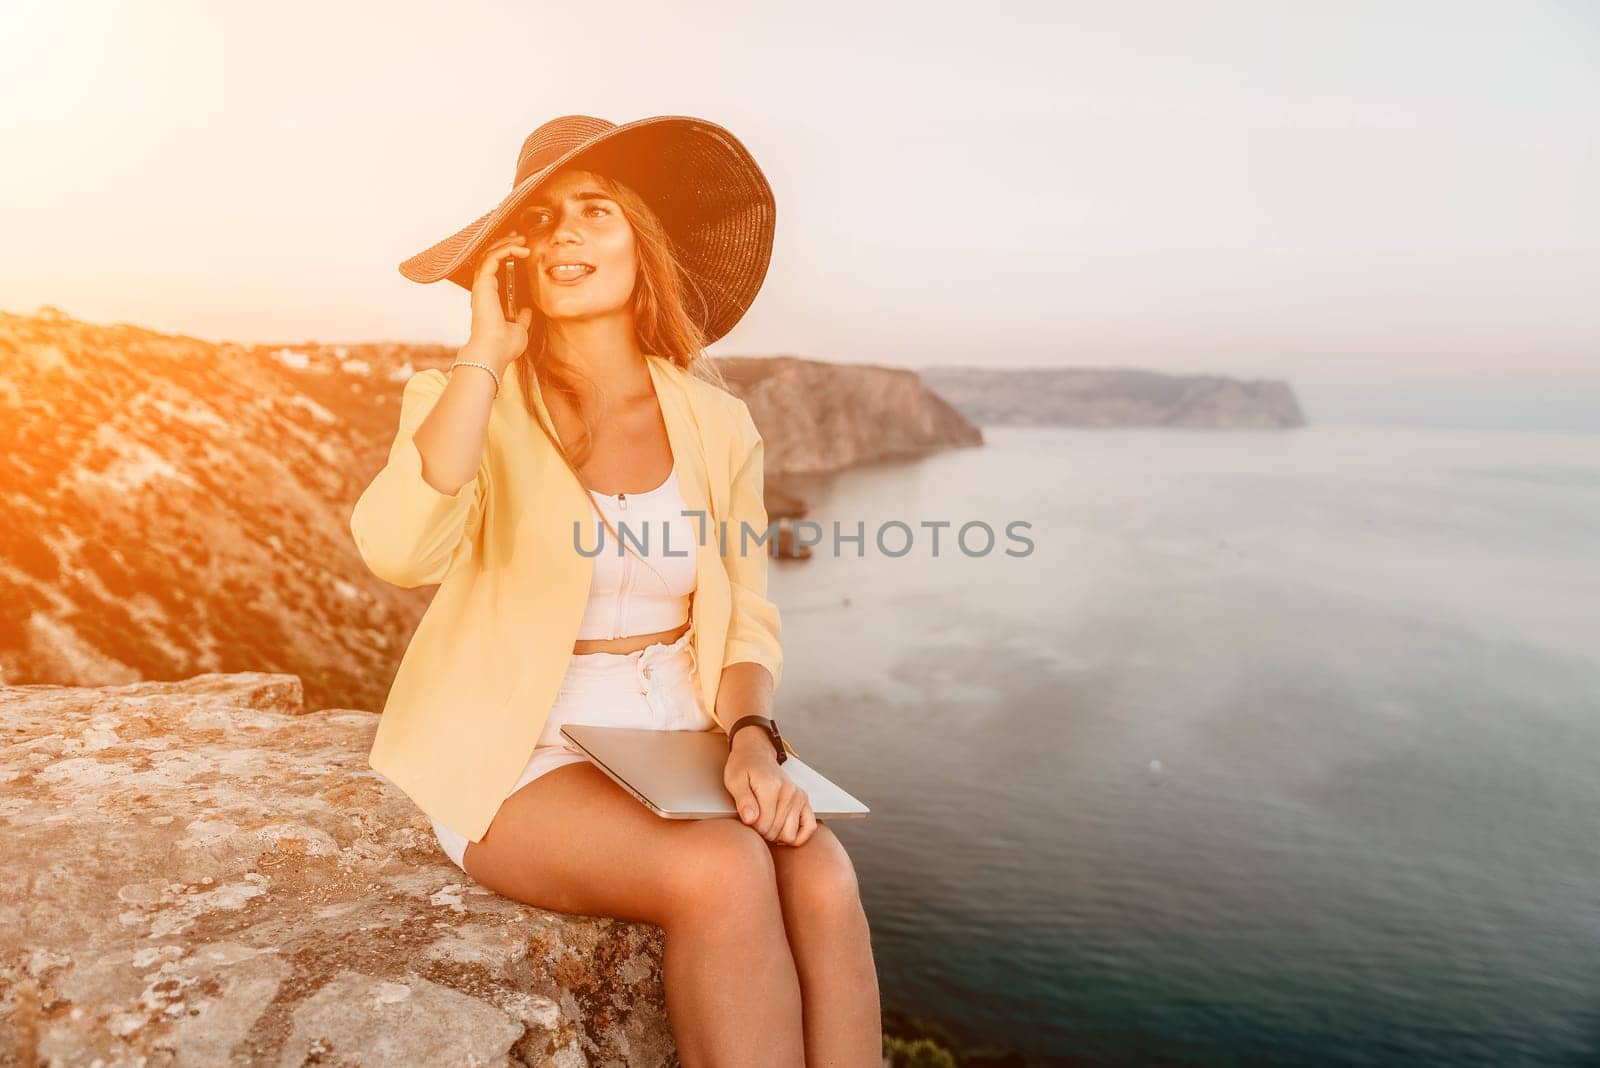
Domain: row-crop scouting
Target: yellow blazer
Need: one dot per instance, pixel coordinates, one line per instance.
(480, 674)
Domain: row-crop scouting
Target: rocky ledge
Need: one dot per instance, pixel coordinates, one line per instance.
(204, 872)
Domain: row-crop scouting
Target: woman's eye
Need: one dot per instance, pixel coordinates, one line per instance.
(542, 218)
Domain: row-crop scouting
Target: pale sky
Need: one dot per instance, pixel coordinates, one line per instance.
(1350, 196)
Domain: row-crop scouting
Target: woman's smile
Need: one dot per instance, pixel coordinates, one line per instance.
(568, 274)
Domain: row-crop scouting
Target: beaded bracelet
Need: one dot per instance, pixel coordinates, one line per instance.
(471, 363)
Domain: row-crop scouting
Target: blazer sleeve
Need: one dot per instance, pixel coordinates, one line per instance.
(755, 627)
(408, 532)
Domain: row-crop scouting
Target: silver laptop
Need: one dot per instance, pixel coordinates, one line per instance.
(678, 774)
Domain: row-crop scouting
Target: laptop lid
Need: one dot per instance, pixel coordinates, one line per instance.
(678, 774)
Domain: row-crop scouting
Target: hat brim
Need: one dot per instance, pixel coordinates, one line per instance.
(711, 197)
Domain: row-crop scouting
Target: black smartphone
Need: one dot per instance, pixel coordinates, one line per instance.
(512, 287)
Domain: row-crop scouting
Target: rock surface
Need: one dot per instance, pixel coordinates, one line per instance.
(1109, 397)
(203, 873)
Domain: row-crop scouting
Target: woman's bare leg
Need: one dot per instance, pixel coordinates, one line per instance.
(574, 841)
(832, 948)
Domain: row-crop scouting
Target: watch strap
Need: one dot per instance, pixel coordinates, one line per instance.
(769, 725)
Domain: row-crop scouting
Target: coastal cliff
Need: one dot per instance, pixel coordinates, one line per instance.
(177, 506)
(818, 417)
(1111, 397)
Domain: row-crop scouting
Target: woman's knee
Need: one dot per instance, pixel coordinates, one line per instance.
(817, 880)
(724, 868)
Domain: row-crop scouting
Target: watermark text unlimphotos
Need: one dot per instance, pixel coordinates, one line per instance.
(892, 538)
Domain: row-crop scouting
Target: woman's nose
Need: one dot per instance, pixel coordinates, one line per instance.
(565, 229)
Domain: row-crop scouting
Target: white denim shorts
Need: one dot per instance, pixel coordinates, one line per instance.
(652, 687)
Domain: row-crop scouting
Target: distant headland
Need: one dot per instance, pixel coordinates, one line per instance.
(1113, 397)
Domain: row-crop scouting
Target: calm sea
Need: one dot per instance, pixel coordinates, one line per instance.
(1280, 747)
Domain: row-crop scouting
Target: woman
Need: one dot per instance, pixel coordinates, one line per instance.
(636, 245)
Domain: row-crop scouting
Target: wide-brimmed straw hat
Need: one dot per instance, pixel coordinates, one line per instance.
(703, 184)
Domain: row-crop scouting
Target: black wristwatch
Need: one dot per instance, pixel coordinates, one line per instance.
(771, 726)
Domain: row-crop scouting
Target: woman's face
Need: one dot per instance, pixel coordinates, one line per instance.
(570, 220)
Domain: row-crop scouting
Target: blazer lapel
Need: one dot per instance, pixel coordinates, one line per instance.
(550, 505)
(709, 607)
(683, 433)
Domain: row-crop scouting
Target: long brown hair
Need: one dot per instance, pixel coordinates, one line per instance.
(661, 322)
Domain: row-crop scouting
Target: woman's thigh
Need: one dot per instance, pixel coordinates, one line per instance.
(574, 841)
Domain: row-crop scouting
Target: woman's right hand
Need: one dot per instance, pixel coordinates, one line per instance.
(495, 339)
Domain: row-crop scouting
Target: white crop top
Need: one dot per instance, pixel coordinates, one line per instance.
(625, 595)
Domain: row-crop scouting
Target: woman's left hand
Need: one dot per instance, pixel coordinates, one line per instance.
(767, 799)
